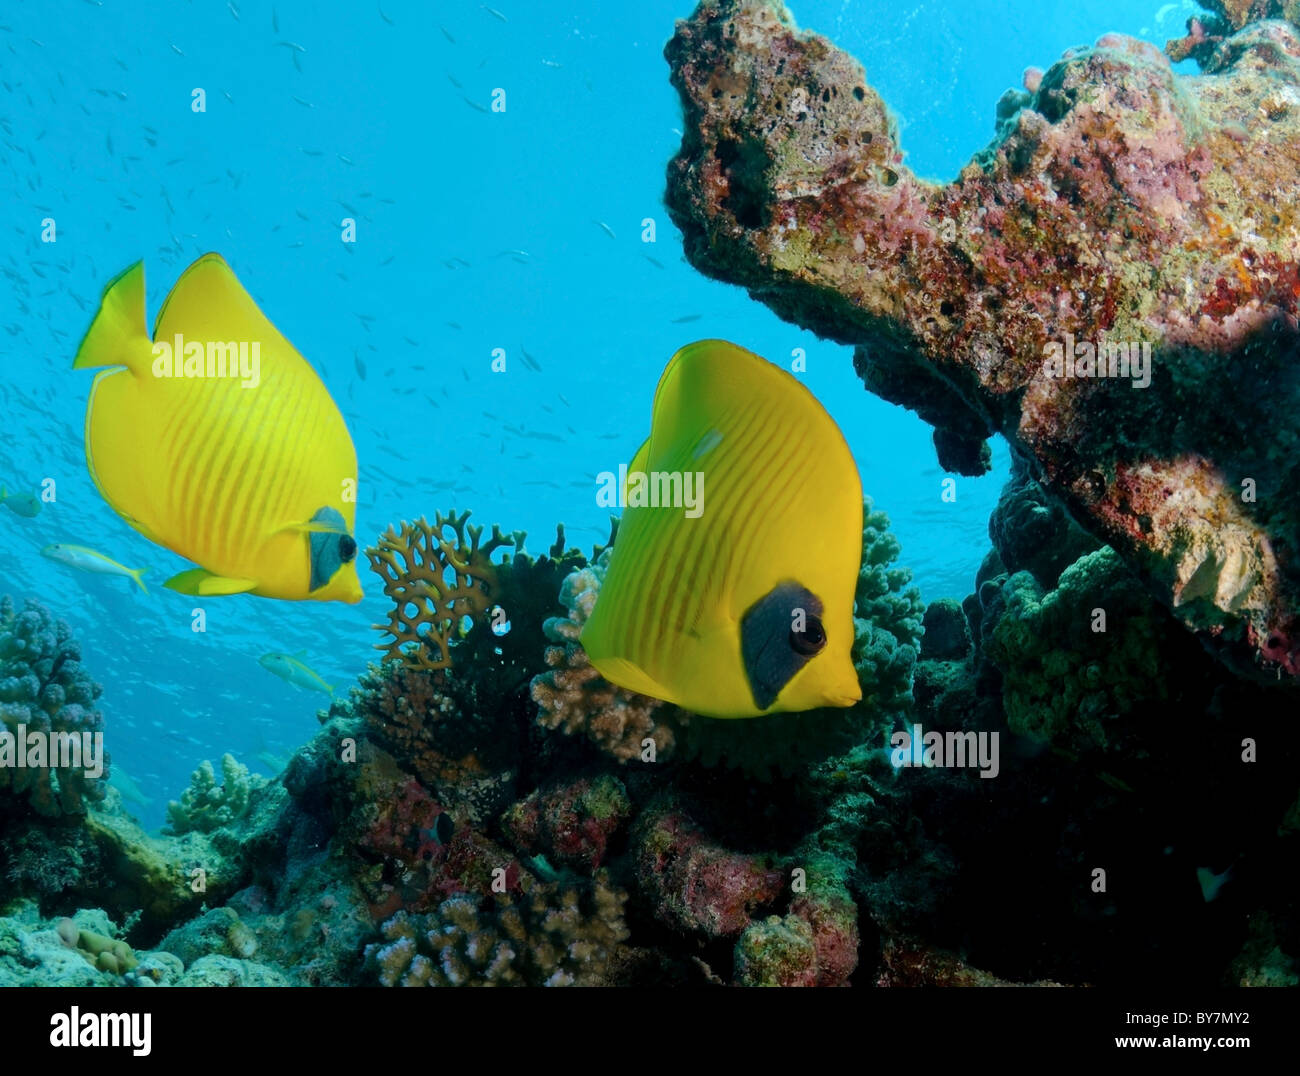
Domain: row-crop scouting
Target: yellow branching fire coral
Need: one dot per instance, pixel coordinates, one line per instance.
(435, 578)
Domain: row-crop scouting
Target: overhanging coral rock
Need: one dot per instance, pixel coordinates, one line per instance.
(1121, 204)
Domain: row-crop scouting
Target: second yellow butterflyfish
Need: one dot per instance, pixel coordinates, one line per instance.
(216, 439)
(739, 600)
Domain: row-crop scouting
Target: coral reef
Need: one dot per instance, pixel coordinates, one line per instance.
(551, 935)
(574, 697)
(1205, 34)
(907, 962)
(107, 954)
(694, 883)
(227, 971)
(816, 944)
(207, 805)
(947, 631)
(441, 579)
(72, 951)
(1084, 656)
(33, 953)
(1121, 206)
(1032, 533)
(572, 823)
(44, 690)
(1261, 961)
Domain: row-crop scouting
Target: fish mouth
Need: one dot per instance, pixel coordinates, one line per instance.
(844, 696)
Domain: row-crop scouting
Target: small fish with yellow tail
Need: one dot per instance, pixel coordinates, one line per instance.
(217, 440)
(293, 669)
(741, 604)
(85, 559)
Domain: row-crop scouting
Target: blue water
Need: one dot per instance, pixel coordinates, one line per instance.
(357, 116)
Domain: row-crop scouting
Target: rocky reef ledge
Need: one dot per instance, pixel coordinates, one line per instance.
(1111, 284)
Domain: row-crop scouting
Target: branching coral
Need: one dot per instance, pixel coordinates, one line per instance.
(555, 934)
(207, 805)
(576, 698)
(435, 579)
(45, 689)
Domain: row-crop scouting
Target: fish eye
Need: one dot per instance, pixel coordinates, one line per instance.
(347, 548)
(811, 639)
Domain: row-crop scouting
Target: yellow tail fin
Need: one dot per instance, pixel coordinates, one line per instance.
(118, 335)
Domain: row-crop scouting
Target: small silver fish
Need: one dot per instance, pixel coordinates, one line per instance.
(88, 560)
(293, 670)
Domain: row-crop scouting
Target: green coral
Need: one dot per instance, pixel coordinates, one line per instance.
(207, 805)
(1063, 681)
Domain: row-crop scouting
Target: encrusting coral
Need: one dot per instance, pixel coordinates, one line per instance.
(571, 823)
(45, 690)
(693, 882)
(77, 951)
(1082, 657)
(1206, 33)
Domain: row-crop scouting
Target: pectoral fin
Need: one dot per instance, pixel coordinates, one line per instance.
(203, 583)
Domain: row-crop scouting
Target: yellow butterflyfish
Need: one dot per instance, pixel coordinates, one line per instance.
(737, 601)
(217, 440)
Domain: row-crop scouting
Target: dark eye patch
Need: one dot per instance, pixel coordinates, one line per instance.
(770, 648)
(329, 550)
